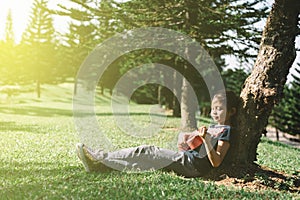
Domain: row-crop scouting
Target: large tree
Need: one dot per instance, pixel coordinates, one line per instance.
(91, 22)
(211, 23)
(39, 46)
(264, 87)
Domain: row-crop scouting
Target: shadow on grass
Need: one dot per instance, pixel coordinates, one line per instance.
(51, 112)
(36, 111)
(34, 180)
(63, 100)
(53, 181)
(13, 126)
(131, 114)
(256, 176)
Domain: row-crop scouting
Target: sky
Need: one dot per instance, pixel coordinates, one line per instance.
(21, 10)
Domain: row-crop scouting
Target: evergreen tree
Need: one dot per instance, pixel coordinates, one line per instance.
(39, 46)
(9, 33)
(91, 23)
(294, 102)
(278, 118)
(9, 58)
(211, 23)
(286, 115)
(234, 79)
(264, 86)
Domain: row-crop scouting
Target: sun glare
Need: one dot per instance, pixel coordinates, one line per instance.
(20, 10)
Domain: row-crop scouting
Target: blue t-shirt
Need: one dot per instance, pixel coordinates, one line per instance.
(198, 156)
(219, 132)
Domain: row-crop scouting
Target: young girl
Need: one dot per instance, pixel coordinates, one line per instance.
(212, 145)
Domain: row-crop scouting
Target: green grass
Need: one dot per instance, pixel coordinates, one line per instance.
(279, 156)
(38, 160)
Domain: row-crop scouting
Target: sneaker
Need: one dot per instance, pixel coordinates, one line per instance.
(90, 163)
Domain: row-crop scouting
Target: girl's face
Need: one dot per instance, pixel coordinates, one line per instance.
(219, 112)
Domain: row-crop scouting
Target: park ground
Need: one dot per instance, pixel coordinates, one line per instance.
(283, 138)
(38, 159)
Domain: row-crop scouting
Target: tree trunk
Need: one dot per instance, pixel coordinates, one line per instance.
(188, 105)
(177, 81)
(277, 134)
(188, 108)
(38, 88)
(159, 90)
(159, 96)
(75, 86)
(264, 87)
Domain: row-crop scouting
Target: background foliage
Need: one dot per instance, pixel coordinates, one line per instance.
(222, 27)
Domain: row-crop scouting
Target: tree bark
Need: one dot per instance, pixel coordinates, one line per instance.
(188, 105)
(277, 134)
(177, 81)
(264, 87)
(159, 100)
(38, 88)
(188, 108)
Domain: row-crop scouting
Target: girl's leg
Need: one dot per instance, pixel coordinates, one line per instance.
(141, 158)
(89, 161)
(146, 157)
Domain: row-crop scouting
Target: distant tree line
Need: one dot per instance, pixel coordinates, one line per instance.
(286, 116)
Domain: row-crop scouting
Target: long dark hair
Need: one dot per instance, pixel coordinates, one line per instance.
(230, 99)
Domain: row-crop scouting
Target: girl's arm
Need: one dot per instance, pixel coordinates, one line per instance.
(215, 156)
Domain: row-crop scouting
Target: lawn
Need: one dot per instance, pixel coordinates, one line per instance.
(38, 159)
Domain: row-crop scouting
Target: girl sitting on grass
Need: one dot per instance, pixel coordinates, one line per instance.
(199, 151)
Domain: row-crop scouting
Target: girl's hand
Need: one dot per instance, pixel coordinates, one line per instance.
(203, 132)
(183, 146)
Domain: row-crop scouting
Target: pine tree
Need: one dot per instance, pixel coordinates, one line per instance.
(279, 116)
(285, 116)
(234, 79)
(91, 23)
(9, 33)
(294, 104)
(39, 45)
(9, 58)
(264, 86)
(208, 22)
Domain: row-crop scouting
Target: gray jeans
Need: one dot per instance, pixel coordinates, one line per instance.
(147, 157)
